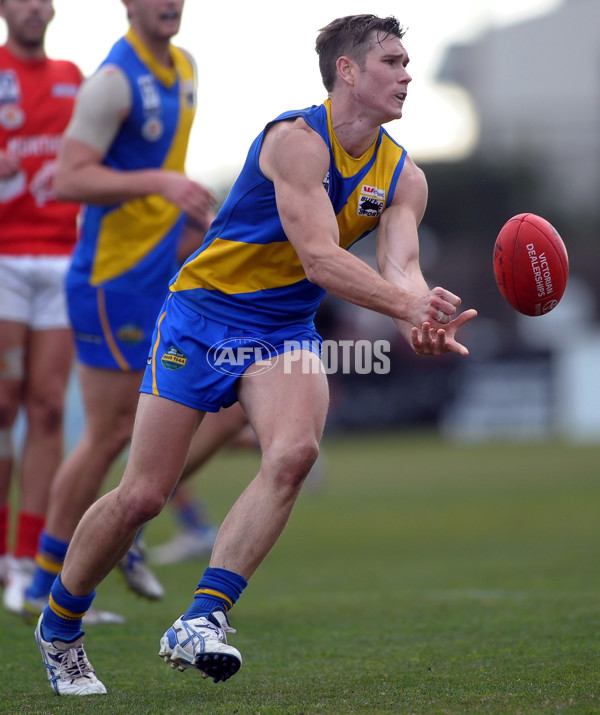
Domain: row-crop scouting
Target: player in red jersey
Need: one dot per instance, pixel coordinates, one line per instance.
(37, 235)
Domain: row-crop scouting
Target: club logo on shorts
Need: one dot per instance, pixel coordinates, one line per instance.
(173, 359)
(130, 334)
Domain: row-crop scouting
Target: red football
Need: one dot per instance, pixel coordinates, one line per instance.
(531, 265)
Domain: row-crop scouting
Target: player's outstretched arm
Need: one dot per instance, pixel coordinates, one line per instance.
(432, 319)
(296, 159)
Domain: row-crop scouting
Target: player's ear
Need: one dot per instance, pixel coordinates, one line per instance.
(345, 69)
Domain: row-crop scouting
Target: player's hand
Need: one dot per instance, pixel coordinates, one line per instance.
(433, 340)
(437, 307)
(9, 165)
(191, 197)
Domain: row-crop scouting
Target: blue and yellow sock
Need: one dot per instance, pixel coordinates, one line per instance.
(49, 560)
(217, 589)
(63, 614)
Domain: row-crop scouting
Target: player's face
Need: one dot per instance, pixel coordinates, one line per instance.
(383, 83)
(155, 19)
(27, 20)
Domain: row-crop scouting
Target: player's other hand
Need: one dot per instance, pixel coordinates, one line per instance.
(9, 165)
(191, 197)
(431, 340)
(437, 307)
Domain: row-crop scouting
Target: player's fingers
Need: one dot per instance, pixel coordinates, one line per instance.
(457, 348)
(447, 297)
(464, 317)
(441, 317)
(415, 340)
(440, 342)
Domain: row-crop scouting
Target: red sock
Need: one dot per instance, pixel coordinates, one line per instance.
(4, 524)
(29, 528)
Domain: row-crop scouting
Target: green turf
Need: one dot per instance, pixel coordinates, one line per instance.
(423, 577)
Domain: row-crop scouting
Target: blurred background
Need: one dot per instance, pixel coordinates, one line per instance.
(503, 115)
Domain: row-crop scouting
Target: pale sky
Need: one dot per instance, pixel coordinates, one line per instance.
(256, 59)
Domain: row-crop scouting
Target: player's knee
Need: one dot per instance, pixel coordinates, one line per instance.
(143, 505)
(291, 463)
(45, 416)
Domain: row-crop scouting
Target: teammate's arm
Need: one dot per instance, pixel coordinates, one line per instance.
(103, 103)
(192, 235)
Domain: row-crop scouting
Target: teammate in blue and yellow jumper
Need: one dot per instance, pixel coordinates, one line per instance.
(315, 182)
(123, 157)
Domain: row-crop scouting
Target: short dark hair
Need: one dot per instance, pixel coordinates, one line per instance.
(351, 36)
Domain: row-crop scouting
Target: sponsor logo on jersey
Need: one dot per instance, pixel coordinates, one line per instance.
(371, 201)
(11, 116)
(9, 87)
(373, 191)
(152, 129)
(64, 89)
(173, 359)
(149, 93)
(188, 92)
(38, 145)
(369, 206)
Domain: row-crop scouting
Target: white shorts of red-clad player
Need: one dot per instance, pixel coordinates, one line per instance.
(32, 291)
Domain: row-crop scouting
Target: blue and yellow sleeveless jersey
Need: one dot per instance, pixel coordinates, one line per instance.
(130, 247)
(247, 273)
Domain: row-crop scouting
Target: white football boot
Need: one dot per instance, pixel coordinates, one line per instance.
(138, 576)
(67, 667)
(201, 643)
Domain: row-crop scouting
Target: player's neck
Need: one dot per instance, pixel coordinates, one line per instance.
(354, 132)
(25, 52)
(159, 48)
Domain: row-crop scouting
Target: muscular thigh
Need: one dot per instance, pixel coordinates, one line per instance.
(110, 398)
(288, 402)
(162, 434)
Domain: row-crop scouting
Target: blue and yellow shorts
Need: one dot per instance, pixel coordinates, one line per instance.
(112, 330)
(197, 361)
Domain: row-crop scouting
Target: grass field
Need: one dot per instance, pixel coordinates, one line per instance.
(423, 577)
